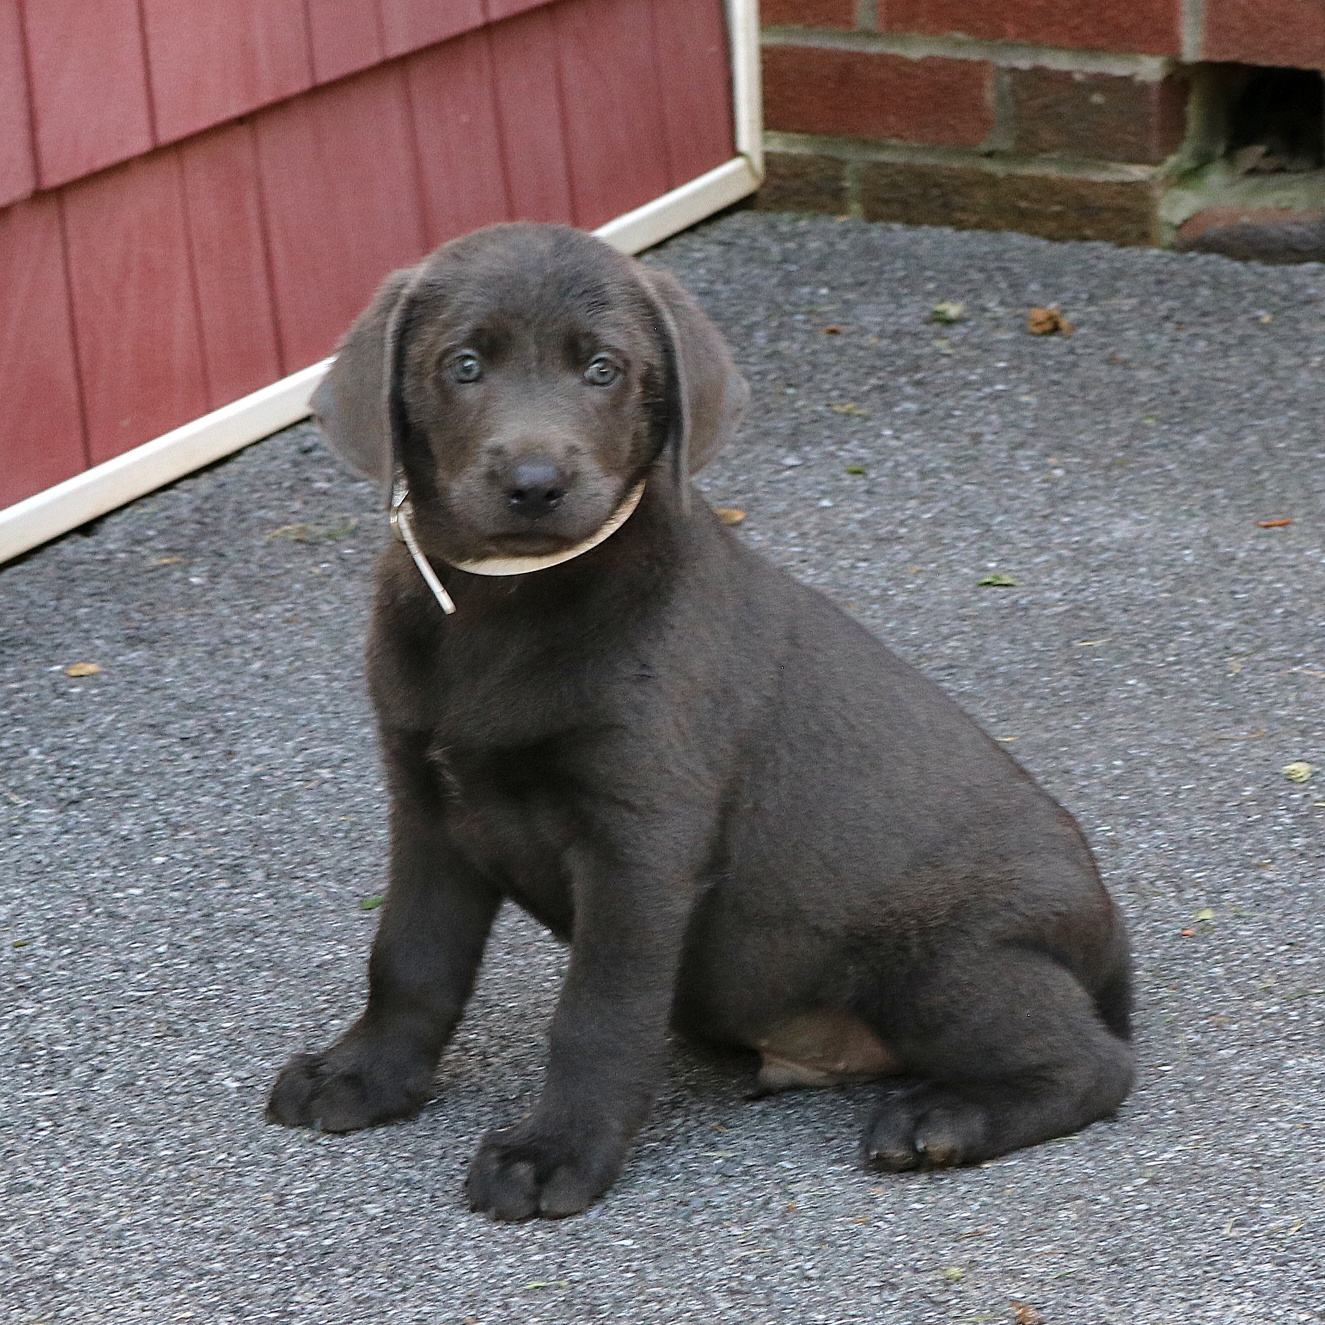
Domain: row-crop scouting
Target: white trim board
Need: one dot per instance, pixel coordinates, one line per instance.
(46, 515)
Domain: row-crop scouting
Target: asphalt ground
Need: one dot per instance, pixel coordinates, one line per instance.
(188, 835)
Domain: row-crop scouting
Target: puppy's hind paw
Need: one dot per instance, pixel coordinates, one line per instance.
(925, 1127)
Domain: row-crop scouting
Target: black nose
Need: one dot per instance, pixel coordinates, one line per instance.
(537, 489)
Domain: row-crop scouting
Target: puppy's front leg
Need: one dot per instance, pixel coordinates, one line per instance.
(430, 937)
(607, 1045)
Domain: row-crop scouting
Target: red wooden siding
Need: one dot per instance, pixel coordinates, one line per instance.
(611, 95)
(459, 144)
(345, 35)
(211, 60)
(89, 85)
(498, 9)
(341, 192)
(18, 175)
(198, 196)
(528, 92)
(227, 242)
(690, 38)
(41, 428)
(409, 25)
(135, 309)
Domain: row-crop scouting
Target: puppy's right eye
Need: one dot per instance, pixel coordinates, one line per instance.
(465, 367)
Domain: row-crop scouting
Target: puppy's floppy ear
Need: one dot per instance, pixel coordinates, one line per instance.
(350, 404)
(710, 394)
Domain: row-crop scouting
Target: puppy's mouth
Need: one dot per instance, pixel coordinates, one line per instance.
(496, 532)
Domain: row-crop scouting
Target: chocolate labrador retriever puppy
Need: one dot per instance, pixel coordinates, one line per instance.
(747, 818)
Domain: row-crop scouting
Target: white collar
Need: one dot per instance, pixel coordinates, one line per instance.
(402, 523)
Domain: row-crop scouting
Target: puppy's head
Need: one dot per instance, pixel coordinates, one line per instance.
(526, 377)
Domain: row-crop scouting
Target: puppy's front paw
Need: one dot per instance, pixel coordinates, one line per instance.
(519, 1173)
(347, 1088)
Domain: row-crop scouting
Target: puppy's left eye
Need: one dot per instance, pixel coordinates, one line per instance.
(601, 371)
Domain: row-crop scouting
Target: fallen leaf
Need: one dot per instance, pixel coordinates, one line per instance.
(1025, 1314)
(167, 561)
(1047, 322)
(1298, 771)
(791, 1205)
(953, 1273)
(849, 407)
(1273, 524)
(996, 582)
(855, 469)
(729, 514)
(316, 531)
(1205, 913)
(831, 331)
(1089, 643)
(1187, 933)
(82, 669)
(369, 903)
(1266, 319)
(947, 313)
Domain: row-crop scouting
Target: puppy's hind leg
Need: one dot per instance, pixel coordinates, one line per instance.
(1014, 1057)
(429, 942)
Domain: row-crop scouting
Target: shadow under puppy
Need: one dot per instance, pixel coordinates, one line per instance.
(747, 817)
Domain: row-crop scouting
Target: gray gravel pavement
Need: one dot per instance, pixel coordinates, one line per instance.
(188, 835)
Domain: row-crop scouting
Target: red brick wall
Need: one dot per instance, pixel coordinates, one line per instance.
(1056, 117)
(1275, 32)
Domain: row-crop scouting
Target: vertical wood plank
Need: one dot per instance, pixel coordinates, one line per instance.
(410, 25)
(235, 312)
(612, 102)
(211, 60)
(18, 175)
(88, 85)
(694, 68)
(341, 199)
(41, 425)
(346, 36)
(459, 146)
(135, 314)
(524, 59)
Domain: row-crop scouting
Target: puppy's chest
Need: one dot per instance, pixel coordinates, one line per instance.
(508, 811)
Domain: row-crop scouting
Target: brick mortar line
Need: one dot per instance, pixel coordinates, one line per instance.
(1006, 54)
(865, 151)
